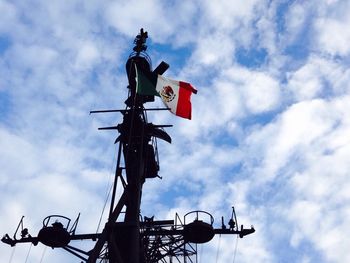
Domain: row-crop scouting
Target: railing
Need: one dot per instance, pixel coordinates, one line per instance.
(194, 215)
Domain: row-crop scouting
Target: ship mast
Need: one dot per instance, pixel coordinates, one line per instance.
(135, 144)
(127, 237)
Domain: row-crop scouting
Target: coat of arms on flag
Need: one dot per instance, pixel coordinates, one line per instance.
(176, 95)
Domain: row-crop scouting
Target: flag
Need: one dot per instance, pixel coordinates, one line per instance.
(145, 85)
(176, 95)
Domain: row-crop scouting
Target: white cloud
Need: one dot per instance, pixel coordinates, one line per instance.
(332, 33)
(88, 56)
(296, 128)
(31, 57)
(129, 16)
(213, 50)
(16, 152)
(227, 15)
(262, 93)
(9, 15)
(318, 77)
(295, 21)
(258, 91)
(306, 82)
(267, 32)
(303, 151)
(238, 92)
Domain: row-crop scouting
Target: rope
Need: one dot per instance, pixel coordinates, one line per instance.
(200, 253)
(235, 252)
(218, 251)
(12, 253)
(42, 256)
(108, 192)
(104, 207)
(30, 247)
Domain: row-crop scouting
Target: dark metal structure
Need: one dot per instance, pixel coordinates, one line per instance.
(127, 237)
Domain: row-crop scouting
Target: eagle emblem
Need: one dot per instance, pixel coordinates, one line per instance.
(167, 93)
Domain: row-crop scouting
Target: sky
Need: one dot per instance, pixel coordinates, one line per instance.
(269, 133)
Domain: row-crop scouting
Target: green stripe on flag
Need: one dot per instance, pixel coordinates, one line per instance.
(144, 85)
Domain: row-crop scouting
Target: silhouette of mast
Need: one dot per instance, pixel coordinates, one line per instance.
(134, 239)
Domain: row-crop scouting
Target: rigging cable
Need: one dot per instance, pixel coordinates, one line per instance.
(218, 250)
(43, 254)
(200, 253)
(235, 252)
(104, 207)
(12, 253)
(108, 192)
(30, 247)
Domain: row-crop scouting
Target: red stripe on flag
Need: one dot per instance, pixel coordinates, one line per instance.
(184, 101)
(187, 86)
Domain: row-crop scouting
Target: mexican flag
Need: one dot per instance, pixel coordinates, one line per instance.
(176, 95)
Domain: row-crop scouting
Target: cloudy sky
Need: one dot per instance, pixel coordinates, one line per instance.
(270, 128)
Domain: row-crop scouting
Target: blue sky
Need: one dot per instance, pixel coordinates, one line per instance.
(269, 131)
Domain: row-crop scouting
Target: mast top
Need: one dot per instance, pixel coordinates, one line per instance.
(140, 42)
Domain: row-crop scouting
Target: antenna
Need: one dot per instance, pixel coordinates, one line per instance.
(140, 42)
(128, 236)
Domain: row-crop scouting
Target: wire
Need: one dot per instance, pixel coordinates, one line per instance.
(30, 247)
(200, 252)
(235, 252)
(218, 250)
(104, 207)
(108, 192)
(42, 256)
(12, 253)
